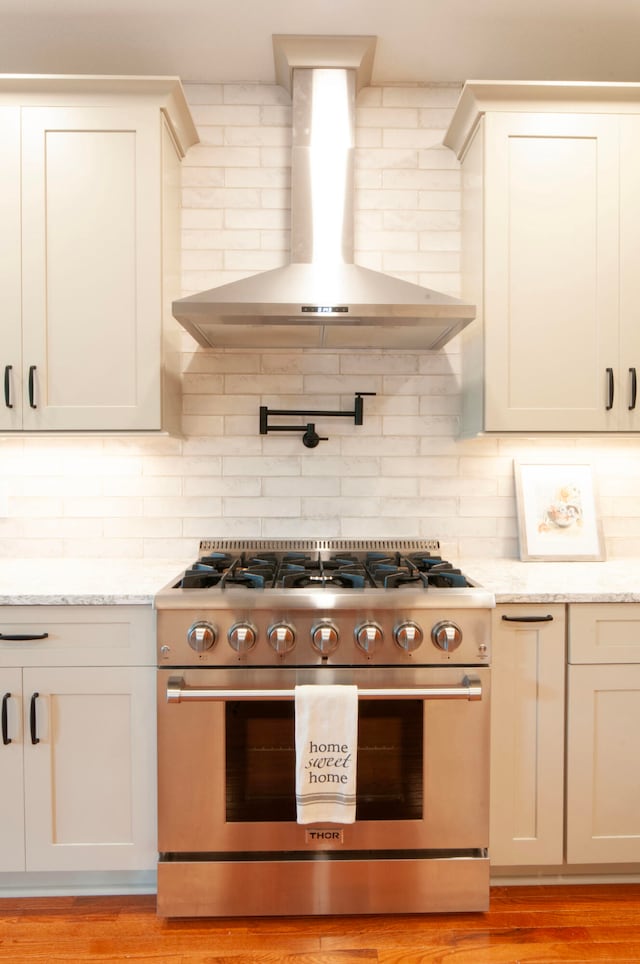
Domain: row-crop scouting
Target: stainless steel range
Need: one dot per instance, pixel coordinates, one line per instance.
(238, 632)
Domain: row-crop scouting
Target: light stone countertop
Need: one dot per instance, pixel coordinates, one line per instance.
(513, 581)
(96, 582)
(85, 582)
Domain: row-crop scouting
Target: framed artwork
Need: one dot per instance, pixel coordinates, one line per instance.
(557, 512)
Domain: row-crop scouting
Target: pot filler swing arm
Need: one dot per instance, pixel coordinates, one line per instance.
(310, 437)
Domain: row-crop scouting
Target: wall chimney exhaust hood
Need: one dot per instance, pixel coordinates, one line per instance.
(321, 299)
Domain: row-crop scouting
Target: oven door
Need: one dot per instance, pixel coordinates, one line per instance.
(226, 761)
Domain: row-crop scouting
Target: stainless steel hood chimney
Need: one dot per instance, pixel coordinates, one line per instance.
(321, 299)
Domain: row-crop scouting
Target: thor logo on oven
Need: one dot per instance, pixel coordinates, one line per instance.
(312, 836)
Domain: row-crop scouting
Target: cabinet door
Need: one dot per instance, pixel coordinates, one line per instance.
(91, 291)
(11, 776)
(551, 271)
(90, 781)
(527, 735)
(603, 764)
(10, 306)
(604, 633)
(629, 371)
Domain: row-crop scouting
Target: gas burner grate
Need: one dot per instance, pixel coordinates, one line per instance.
(328, 564)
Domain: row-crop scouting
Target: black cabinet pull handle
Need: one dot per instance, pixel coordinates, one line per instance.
(528, 619)
(634, 388)
(7, 386)
(32, 719)
(32, 387)
(610, 389)
(23, 637)
(5, 725)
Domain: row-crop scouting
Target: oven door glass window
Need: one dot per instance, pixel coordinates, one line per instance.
(260, 761)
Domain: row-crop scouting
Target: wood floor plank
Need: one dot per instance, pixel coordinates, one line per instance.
(525, 925)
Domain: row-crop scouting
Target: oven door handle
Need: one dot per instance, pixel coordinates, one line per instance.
(178, 692)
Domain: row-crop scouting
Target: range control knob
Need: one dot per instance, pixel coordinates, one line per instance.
(446, 636)
(201, 636)
(324, 638)
(368, 637)
(281, 637)
(408, 635)
(242, 637)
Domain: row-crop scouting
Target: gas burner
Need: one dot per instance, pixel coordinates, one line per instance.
(332, 573)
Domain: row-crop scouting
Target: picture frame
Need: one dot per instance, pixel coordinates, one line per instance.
(557, 510)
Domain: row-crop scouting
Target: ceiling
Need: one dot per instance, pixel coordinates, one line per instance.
(210, 41)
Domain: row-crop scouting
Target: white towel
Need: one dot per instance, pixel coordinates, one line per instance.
(326, 753)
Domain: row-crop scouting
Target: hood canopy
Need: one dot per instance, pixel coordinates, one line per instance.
(322, 299)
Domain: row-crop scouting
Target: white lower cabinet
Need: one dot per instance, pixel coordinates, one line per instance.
(77, 755)
(565, 780)
(527, 735)
(603, 745)
(11, 772)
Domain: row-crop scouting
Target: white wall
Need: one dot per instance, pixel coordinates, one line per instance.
(403, 473)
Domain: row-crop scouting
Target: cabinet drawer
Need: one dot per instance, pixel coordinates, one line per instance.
(78, 636)
(604, 633)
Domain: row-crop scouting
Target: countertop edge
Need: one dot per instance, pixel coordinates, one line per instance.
(135, 582)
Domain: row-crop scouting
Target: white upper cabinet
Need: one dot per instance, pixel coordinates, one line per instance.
(551, 231)
(10, 270)
(89, 252)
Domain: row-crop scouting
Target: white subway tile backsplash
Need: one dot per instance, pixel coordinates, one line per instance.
(385, 487)
(183, 466)
(438, 159)
(252, 261)
(204, 94)
(388, 240)
(202, 383)
(260, 467)
(220, 240)
(205, 527)
(369, 137)
(275, 116)
(421, 139)
(207, 485)
(263, 94)
(215, 196)
(317, 528)
(404, 473)
(225, 156)
(268, 506)
(256, 136)
(102, 508)
(302, 362)
(199, 177)
(266, 220)
(210, 136)
(432, 95)
(434, 117)
(388, 157)
(369, 97)
(226, 115)
(250, 176)
(109, 548)
(399, 179)
(366, 445)
(387, 117)
(143, 527)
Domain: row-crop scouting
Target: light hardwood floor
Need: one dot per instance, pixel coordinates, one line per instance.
(524, 924)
